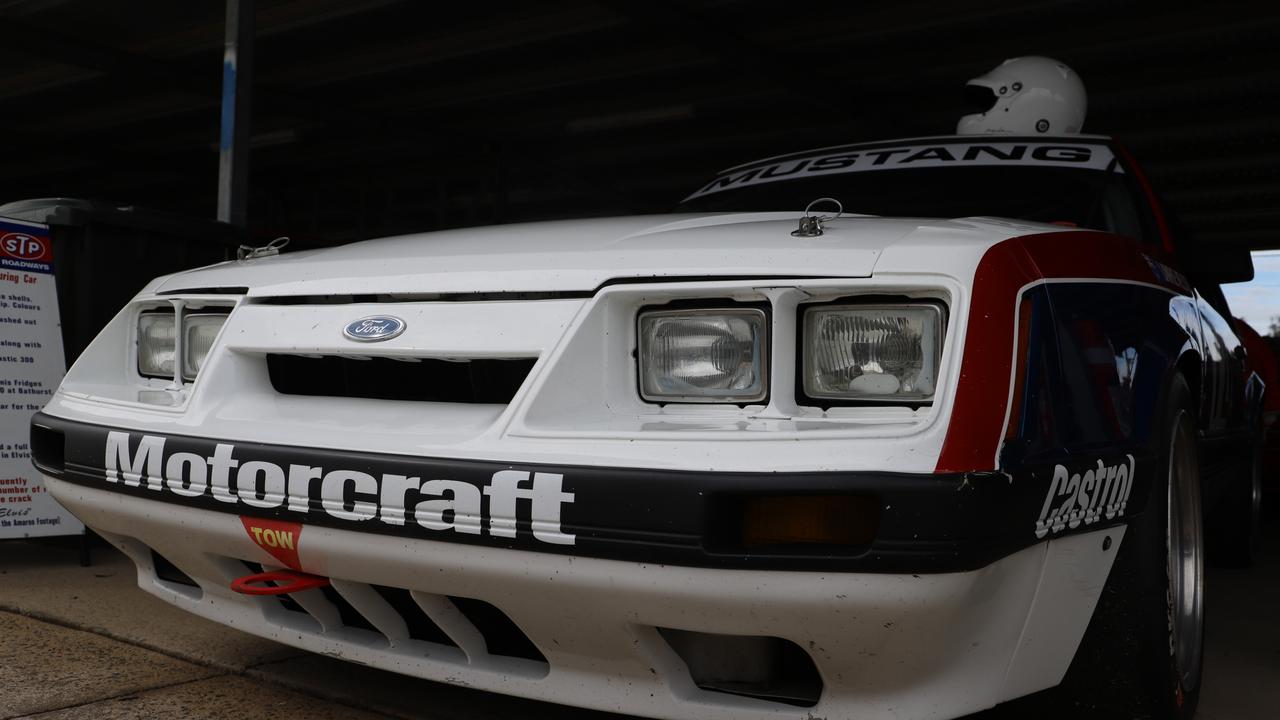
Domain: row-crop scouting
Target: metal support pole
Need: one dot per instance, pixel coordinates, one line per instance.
(233, 145)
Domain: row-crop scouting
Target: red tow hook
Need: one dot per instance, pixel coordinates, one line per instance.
(288, 581)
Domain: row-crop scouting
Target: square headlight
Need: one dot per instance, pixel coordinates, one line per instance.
(882, 353)
(704, 356)
(157, 338)
(198, 333)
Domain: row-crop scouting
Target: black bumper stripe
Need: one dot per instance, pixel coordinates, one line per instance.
(928, 523)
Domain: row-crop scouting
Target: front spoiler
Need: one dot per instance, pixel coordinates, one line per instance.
(885, 645)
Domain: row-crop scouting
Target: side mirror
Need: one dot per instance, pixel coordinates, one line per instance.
(1217, 263)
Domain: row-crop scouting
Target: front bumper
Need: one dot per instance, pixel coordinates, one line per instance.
(948, 611)
(885, 645)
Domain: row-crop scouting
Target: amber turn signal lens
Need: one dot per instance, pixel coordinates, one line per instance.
(830, 520)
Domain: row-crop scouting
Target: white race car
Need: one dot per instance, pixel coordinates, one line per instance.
(744, 461)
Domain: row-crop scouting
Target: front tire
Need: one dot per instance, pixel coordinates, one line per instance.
(1143, 653)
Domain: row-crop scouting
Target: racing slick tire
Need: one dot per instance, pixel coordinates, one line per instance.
(1142, 654)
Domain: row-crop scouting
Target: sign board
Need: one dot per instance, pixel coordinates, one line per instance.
(31, 366)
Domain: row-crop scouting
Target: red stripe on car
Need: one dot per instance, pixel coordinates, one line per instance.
(978, 415)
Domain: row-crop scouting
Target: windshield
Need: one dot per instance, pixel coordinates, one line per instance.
(946, 181)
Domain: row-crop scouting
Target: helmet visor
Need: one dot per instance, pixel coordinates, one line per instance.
(978, 99)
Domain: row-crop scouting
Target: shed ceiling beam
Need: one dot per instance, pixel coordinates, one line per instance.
(540, 24)
(79, 52)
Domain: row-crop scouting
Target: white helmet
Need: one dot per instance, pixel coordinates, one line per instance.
(1026, 96)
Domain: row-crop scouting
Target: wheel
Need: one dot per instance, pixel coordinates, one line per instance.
(1143, 652)
(1184, 538)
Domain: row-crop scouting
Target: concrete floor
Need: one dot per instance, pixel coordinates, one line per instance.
(79, 643)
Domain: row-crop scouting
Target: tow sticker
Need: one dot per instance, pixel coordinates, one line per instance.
(278, 537)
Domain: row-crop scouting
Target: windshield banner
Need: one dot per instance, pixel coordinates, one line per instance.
(882, 156)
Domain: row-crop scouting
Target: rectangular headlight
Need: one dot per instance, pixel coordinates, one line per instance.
(872, 352)
(198, 333)
(157, 336)
(704, 355)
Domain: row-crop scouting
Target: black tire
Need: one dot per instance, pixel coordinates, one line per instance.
(1129, 663)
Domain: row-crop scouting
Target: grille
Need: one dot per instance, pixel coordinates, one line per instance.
(466, 630)
(167, 571)
(419, 625)
(501, 636)
(482, 381)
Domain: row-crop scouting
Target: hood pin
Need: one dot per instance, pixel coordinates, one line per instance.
(811, 225)
(248, 252)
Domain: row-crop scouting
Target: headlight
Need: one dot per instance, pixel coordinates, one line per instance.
(872, 352)
(156, 344)
(704, 355)
(198, 333)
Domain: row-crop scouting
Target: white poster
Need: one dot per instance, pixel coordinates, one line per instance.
(31, 366)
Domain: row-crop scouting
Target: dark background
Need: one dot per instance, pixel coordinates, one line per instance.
(374, 117)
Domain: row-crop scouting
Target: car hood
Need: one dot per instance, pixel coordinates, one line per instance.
(581, 255)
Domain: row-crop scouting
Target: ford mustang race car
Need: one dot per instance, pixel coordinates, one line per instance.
(744, 461)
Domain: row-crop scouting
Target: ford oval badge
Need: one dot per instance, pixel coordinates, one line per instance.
(374, 328)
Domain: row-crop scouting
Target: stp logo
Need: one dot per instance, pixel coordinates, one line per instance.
(23, 246)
